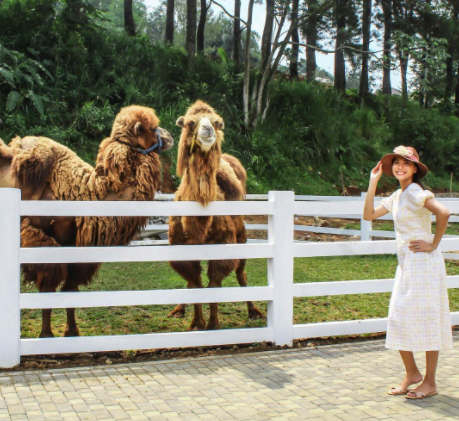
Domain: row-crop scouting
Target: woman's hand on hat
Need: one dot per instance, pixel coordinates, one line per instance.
(421, 246)
(376, 172)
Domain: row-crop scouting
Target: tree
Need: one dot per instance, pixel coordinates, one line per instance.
(202, 25)
(295, 42)
(266, 39)
(190, 39)
(129, 17)
(310, 32)
(237, 35)
(366, 26)
(387, 20)
(170, 22)
(339, 12)
(246, 86)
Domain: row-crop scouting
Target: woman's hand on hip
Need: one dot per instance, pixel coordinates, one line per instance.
(419, 246)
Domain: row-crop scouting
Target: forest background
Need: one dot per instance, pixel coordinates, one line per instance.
(68, 66)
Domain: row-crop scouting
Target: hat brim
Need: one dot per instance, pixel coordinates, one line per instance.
(389, 158)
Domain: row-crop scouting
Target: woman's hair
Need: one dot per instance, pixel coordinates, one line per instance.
(417, 180)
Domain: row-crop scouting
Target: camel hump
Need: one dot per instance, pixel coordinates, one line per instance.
(32, 165)
(231, 178)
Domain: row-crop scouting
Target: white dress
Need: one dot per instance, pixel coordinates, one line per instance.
(419, 317)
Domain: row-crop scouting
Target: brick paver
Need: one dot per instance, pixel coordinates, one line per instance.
(339, 382)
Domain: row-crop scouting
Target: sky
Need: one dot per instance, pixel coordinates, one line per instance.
(324, 61)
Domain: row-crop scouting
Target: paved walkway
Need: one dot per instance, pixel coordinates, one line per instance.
(340, 382)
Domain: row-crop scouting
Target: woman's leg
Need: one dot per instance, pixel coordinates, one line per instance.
(428, 385)
(412, 375)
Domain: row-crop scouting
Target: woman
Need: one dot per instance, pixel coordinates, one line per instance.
(419, 318)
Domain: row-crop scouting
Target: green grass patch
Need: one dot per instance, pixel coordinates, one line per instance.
(158, 275)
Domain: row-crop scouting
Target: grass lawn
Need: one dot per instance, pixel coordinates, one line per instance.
(148, 276)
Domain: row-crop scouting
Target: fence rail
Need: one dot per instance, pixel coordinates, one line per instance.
(280, 251)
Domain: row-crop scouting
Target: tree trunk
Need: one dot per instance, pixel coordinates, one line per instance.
(449, 73)
(366, 30)
(246, 92)
(202, 26)
(237, 36)
(456, 99)
(311, 39)
(129, 18)
(295, 41)
(387, 11)
(404, 57)
(340, 65)
(267, 33)
(170, 22)
(190, 41)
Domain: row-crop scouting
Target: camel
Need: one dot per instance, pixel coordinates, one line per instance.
(207, 175)
(127, 168)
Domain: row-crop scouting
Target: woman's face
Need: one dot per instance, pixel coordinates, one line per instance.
(403, 169)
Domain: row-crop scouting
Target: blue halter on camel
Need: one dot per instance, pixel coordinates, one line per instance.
(158, 145)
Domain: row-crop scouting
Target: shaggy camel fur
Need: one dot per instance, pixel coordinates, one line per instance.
(207, 175)
(46, 170)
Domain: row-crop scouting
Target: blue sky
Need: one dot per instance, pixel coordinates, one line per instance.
(325, 61)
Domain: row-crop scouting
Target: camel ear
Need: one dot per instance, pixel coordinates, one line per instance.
(5, 151)
(137, 128)
(220, 125)
(180, 122)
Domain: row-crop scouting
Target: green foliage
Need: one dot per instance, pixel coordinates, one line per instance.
(67, 69)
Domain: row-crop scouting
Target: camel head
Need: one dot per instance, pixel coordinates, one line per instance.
(138, 127)
(202, 132)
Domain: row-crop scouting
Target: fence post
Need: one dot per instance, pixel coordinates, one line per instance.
(10, 313)
(365, 226)
(280, 267)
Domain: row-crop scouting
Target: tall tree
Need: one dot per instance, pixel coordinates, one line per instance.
(453, 46)
(170, 22)
(387, 19)
(237, 35)
(190, 37)
(339, 12)
(202, 25)
(295, 42)
(129, 17)
(246, 87)
(310, 31)
(366, 31)
(404, 24)
(266, 39)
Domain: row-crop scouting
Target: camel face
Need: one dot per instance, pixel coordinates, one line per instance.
(139, 127)
(206, 134)
(201, 131)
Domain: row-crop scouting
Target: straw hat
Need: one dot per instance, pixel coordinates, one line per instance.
(408, 153)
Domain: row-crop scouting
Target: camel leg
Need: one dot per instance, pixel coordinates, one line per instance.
(241, 275)
(178, 312)
(71, 329)
(217, 271)
(191, 272)
(46, 330)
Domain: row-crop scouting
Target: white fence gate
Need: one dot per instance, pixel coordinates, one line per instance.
(280, 250)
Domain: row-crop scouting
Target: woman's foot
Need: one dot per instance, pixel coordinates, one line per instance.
(424, 390)
(406, 383)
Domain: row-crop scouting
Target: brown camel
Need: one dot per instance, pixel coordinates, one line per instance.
(207, 175)
(127, 169)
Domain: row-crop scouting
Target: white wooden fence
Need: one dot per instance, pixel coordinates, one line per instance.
(365, 232)
(280, 250)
